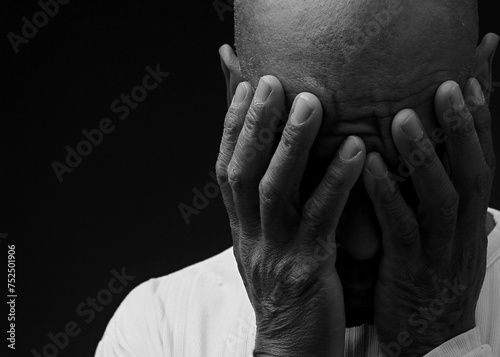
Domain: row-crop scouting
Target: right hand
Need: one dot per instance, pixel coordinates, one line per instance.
(286, 252)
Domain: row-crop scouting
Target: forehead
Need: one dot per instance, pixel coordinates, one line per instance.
(362, 74)
(358, 52)
(314, 33)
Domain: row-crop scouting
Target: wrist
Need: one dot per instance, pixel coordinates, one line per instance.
(301, 343)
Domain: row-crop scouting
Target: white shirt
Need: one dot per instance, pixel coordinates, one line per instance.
(203, 310)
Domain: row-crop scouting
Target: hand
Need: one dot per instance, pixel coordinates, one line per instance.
(285, 252)
(434, 259)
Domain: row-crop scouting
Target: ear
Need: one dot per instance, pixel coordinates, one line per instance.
(483, 70)
(232, 71)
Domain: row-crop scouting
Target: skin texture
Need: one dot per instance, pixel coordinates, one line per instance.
(327, 48)
(290, 289)
(433, 257)
(362, 80)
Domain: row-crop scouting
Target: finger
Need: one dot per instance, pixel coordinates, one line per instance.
(484, 63)
(279, 188)
(438, 199)
(231, 68)
(469, 169)
(254, 150)
(480, 110)
(321, 212)
(400, 230)
(232, 127)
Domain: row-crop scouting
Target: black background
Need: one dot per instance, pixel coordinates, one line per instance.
(119, 207)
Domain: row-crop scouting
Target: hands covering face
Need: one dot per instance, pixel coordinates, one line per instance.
(286, 250)
(285, 253)
(434, 258)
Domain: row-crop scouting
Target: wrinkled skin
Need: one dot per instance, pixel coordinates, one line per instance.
(293, 286)
(360, 244)
(286, 250)
(363, 80)
(434, 257)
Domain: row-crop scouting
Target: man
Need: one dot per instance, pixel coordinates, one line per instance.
(412, 249)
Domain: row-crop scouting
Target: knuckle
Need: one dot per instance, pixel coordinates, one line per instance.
(448, 207)
(291, 141)
(422, 155)
(482, 183)
(389, 200)
(431, 164)
(252, 121)
(267, 192)
(466, 130)
(312, 213)
(232, 122)
(221, 172)
(235, 177)
(490, 158)
(406, 229)
(335, 179)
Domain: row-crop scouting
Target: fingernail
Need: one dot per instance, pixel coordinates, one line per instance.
(240, 95)
(263, 92)
(376, 166)
(477, 91)
(411, 127)
(456, 98)
(301, 111)
(350, 149)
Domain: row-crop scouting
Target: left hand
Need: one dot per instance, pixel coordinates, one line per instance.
(434, 259)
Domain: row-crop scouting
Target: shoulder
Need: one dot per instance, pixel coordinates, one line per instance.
(209, 278)
(156, 316)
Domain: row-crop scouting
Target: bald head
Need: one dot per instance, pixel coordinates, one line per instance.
(365, 59)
